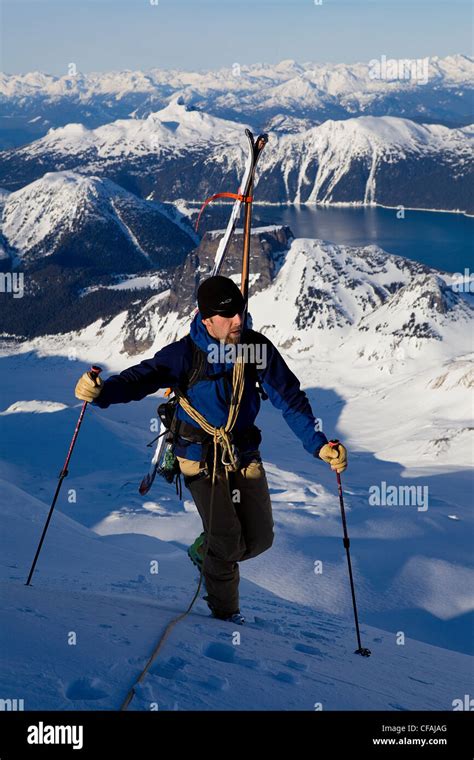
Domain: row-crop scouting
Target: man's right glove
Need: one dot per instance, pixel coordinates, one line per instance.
(88, 389)
(335, 456)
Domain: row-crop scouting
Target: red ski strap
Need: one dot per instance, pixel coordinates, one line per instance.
(235, 196)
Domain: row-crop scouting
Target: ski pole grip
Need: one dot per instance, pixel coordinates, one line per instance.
(94, 372)
(334, 443)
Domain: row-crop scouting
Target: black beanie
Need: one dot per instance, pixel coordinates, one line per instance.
(219, 295)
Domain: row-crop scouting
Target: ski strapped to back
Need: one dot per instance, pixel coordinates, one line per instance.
(243, 196)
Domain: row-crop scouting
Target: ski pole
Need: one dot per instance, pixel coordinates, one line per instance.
(346, 541)
(93, 374)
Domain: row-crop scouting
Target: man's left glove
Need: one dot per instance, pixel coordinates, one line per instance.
(336, 456)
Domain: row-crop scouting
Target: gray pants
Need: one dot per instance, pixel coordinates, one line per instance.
(242, 524)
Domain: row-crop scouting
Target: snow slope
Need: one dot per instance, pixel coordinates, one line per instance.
(99, 588)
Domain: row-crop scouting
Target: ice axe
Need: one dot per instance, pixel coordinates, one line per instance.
(93, 373)
(346, 541)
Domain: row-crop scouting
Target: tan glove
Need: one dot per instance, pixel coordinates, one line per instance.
(335, 456)
(88, 389)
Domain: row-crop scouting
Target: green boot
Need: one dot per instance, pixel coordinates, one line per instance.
(196, 551)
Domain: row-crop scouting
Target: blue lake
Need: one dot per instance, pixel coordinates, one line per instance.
(440, 240)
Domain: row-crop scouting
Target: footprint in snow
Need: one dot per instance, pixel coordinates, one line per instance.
(216, 683)
(285, 677)
(306, 649)
(294, 665)
(251, 664)
(221, 652)
(171, 669)
(85, 688)
(268, 625)
(316, 636)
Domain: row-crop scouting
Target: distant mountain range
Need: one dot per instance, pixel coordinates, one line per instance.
(35, 102)
(97, 215)
(181, 153)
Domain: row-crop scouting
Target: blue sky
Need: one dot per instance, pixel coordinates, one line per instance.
(101, 35)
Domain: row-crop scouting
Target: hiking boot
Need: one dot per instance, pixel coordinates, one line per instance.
(229, 617)
(235, 617)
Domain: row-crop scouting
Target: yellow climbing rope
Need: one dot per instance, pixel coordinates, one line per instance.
(221, 435)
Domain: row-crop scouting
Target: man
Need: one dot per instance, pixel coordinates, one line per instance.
(242, 521)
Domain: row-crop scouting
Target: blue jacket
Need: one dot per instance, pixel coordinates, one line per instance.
(172, 365)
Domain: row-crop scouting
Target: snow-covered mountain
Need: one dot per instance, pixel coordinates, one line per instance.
(174, 152)
(383, 320)
(377, 308)
(180, 153)
(81, 220)
(372, 314)
(337, 79)
(318, 91)
(385, 160)
(76, 241)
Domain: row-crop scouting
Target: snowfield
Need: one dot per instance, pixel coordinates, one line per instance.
(78, 637)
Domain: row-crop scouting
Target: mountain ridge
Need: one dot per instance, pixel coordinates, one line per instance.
(180, 153)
